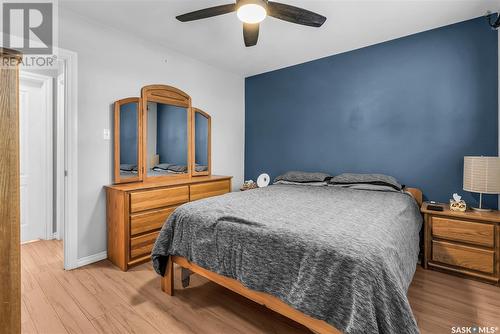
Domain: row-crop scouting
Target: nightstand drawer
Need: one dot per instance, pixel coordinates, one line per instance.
(463, 256)
(458, 230)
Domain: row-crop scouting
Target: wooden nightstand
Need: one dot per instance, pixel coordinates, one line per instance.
(463, 243)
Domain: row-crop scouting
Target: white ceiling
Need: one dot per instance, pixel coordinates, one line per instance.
(218, 41)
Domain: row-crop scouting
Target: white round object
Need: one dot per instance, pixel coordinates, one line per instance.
(263, 180)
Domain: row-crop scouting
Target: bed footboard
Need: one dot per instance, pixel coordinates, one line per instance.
(267, 300)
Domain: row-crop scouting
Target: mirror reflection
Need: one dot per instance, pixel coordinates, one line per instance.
(128, 140)
(167, 139)
(201, 142)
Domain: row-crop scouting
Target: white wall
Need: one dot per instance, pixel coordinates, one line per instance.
(114, 65)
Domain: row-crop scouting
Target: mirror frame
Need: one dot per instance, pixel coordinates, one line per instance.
(209, 149)
(172, 96)
(117, 111)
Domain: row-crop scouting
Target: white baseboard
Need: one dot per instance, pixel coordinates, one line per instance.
(83, 261)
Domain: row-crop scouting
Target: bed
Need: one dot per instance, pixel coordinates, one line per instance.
(331, 258)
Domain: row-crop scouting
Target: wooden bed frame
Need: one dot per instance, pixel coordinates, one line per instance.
(269, 301)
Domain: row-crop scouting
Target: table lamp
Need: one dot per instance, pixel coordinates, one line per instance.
(482, 175)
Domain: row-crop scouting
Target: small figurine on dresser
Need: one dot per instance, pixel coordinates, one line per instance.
(247, 185)
(457, 203)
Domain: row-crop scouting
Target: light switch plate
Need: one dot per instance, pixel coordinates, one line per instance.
(107, 134)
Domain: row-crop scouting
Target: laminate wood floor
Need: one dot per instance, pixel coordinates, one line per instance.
(100, 298)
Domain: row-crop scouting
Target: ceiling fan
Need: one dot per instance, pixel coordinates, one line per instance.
(252, 12)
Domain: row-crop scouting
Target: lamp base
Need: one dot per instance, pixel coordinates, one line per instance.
(481, 210)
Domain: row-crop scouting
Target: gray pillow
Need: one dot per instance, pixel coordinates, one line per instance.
(178, 168)
(128, 167)
(302, 177)
(365, 186)
(200, 168)
(375, 179)
(319, 184)
(162, 166)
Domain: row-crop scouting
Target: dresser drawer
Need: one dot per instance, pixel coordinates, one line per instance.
(157, 198)
(140, 246)
(473, 233)
(209, 189)
(149, 221)
(463, 256)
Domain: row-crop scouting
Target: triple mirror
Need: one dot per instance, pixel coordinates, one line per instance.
(160, 136)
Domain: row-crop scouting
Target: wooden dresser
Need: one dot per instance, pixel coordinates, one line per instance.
(463, 243)
(137, 211)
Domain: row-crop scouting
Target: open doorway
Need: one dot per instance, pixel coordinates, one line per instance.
(41, 130)
(36, 101)
(53, 216)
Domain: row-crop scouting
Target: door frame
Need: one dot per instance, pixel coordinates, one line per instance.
(60, 152)
(69, 175)
(46, 84)
(67, 179)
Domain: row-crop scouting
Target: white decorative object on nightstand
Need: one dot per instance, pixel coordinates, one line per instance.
(263, 180)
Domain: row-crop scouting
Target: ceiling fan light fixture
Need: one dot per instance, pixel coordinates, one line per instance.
(251, 13)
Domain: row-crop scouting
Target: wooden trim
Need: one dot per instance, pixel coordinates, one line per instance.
(116, 129)
(427, 239)
(209, 143)
(171, 182)
(117, 227)
(10, 264)
(11, 54)
(497, 252)
(463, 272)
(166, 94)
(138, 261)
(416, 193)
(271, 302)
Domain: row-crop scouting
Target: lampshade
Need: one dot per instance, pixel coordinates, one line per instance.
(482, 174)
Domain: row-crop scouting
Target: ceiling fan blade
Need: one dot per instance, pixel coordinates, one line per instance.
(207, 12)
(294, 14)
(250, 33)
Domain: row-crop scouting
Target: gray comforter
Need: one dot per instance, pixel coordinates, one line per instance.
(345, 256)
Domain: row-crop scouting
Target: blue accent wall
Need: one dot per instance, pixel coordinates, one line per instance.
(128, 133)
(201, 139)
(411, 108)
(172, 134)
